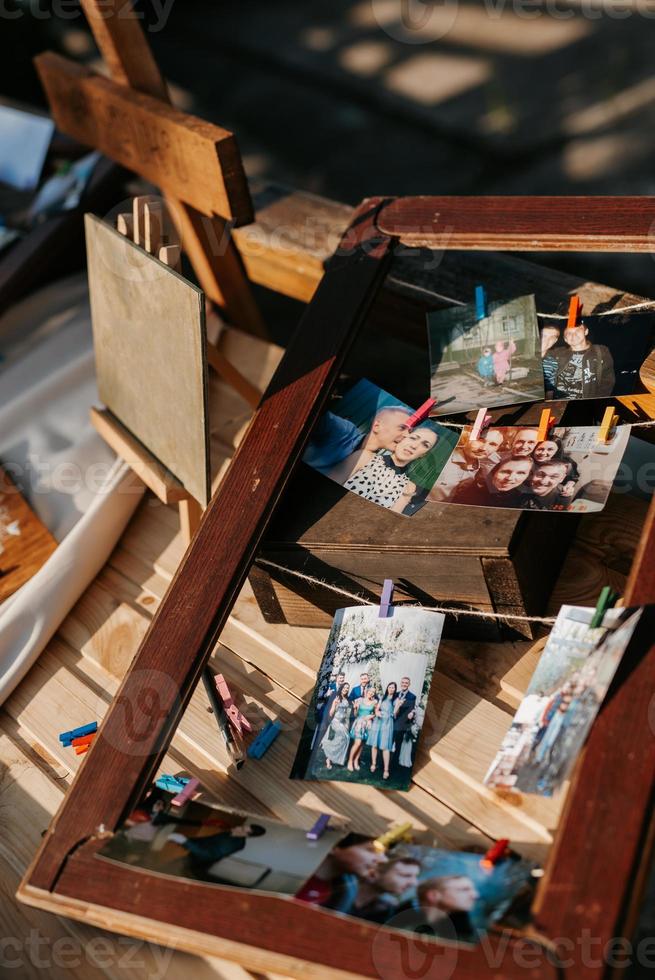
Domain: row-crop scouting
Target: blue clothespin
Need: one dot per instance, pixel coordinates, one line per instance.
(386, 598)
(264, 740)
(606, 600)
(172, 784)
(67, 737)
(319, 827)
(480, 303)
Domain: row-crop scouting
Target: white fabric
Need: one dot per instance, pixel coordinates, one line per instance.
(70, 477)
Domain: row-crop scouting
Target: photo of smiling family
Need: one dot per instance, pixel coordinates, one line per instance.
(370, 699)
(365, 444)
(508, 466)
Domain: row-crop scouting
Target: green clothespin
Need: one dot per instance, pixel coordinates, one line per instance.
(606, 600)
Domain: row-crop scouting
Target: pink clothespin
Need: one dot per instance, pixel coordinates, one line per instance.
(386, 598)
(482, 420)
(190, 789)
(235, 717)
(421, 413)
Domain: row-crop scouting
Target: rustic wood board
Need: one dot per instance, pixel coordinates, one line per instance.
(150, 348)
(25, 543)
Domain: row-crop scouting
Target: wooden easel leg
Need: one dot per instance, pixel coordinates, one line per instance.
(190, 514)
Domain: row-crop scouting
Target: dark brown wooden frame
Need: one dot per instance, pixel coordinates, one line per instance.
(588, 895)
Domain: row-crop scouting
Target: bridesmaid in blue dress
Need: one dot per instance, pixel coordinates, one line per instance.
(365, 712)
(381, 734)
(336, 740)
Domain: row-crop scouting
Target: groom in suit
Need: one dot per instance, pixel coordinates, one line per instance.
(405, 708)
(359, 691)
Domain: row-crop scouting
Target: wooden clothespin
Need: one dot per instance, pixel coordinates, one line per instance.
(546, 422)
(235, 717)
(186, 793)
(610, 418)
(386, 598)
(83, 740)
(482, 420)
(495, 854)
(402, 832)
(575, 309)
(264, 740)
(81, 749)
(480, 303)
(421, 413)
(66, 738)
(606, 600)
(319, 827)
(172, 784)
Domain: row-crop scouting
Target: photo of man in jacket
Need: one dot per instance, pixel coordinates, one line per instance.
(584, 369)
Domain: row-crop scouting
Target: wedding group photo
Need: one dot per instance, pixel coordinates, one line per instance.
(365, 444)
(370, 699)
(486, 362)
(571, 470)
(449, 896)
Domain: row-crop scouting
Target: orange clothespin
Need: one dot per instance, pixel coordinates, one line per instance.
(235, 717)
(575, 309)
(83, 740)
(482, 420)
(81, 749)
(546, 422)
(496, 853)
(610, 418)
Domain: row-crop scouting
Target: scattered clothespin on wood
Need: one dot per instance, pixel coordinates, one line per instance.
(610, 418)
(386, 598)
(402, 832)
(482, 420)
(67, 737)
(264, 740)
(575, 309)
(480, 303)
(421, 413)
(81, 749)
(172, 784)
(546, 422)
(606, 600)
(185, 794)
(495, 854)
(319, 827)
(83, 740)
(235, 717)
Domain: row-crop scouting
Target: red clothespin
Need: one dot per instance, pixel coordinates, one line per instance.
(190, 789)
(235, 717)
(546, 422)
(386, 598)
(83, 740)
(610, 418)
(575, 309)
(495, 854)
(421, 413)
(482, 420)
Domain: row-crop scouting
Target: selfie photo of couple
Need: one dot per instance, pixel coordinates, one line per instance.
(370, 698)
(444, 895)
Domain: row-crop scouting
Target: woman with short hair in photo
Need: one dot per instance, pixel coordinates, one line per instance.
(336, 740)
(381, 733)
(365, 712)
(501, 487)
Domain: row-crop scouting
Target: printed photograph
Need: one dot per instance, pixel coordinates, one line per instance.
(565, 695)
(368, 706)
(204, 843)
(484, 363)
(599, 357)
(448, 896)
(364, 444)
(570, 471)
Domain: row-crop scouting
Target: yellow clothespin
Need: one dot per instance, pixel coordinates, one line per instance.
(545, 424)
(402, 832)
(610, 418)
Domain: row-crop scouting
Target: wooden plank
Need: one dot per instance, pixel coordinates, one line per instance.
(192, 160)
(25, 543)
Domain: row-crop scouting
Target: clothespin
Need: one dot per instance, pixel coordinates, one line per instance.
(482, 420)
(319, 827)
(67, 737)
(172, 784)
(264, 740)
(421, 413)
(610, 418)
(606, 600)
(575, 309)
(495, 854)
(235, 717)
(546, 422)
(186, 793)
(402, 832)
(386, 598)
(480, 303)
(81, 749)
(83, 740)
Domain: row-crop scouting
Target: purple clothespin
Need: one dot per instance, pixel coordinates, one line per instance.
(387, 597)
(185, 794)
(319, 827)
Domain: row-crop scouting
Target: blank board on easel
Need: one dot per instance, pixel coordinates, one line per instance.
(150, 350)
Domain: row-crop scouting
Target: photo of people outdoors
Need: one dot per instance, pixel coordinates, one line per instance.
(370, 698)
(449, 896)
(571, 470)
(364, 443)
(598, 357)
(208, 844)
(560, 705)
(488, 362)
